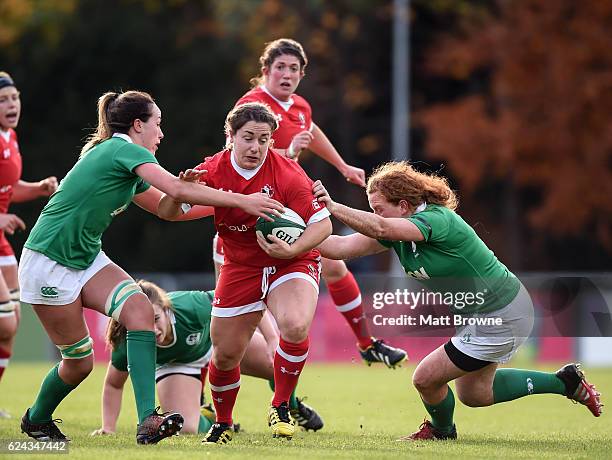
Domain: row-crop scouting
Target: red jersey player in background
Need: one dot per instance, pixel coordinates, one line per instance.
(283, 65)
(12, 188)
(257, 273)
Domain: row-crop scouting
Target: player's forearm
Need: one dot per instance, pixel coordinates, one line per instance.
(169, 209)
(323, 148)
(366, 223)
(334, 248)
(314, 235)
(111, 407)
(26, 191)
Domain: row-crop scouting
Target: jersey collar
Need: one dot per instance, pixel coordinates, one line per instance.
(246, 173)
(286, 105)
(172, 319)
(6, 134)
(125, 137)
(420, 207)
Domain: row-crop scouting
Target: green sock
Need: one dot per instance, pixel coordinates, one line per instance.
(442, 413)
(510, 384)
(52, 391)
(292, 400)
(204, 424)
(141, 351)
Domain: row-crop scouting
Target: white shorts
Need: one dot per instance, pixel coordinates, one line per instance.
(496, 343)
(7, 261)
(193, 368)
(45, 282)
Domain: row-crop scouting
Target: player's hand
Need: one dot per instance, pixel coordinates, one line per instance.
(278, 248)
(48, 186)
(101, 432)
(354, 175)
(260, 205)
(10, 223)
(321, 194)
(192, 175)
(300, 142)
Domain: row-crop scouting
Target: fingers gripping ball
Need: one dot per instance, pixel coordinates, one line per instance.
(288, 227)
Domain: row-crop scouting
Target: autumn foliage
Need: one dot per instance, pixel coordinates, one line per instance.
(541, 115)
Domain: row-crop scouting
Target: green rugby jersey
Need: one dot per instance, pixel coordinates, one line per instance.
(97, 188)
(453, 259)
(190, 322)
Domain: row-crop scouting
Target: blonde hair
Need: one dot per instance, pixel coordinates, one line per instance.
(398, 180)
(116, 114)
(116, 332)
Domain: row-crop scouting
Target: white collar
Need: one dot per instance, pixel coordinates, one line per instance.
(246, 173)
(125, 137)
(286, 105)
(420, 207)
(6, 134)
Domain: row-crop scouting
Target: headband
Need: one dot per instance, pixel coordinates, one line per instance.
(6, 81)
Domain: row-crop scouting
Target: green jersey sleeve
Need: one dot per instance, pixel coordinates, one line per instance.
(130, 156)
(119, 357)
(434, 223)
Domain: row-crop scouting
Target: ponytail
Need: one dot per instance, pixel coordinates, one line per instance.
(103, 131)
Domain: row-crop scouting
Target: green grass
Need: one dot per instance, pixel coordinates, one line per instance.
(365, 410)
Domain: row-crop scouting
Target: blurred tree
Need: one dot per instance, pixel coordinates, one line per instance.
(534, 113)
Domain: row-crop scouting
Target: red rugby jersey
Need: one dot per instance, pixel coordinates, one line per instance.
(294, 116)
(10, 167)
(282, 179)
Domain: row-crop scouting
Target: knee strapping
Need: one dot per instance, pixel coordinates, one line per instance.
(8, 308)
(14, 294)
(81, 349)
(118, 296)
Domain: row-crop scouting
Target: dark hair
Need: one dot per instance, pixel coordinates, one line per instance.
(5, 80)
(251, 111)
(116, 114)
(116, 332)
(278, 48)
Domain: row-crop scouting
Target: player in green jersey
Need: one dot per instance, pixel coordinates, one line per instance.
(64, 270)
(184, 348)
(414, 214)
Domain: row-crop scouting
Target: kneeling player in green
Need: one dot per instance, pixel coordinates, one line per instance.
(184, 348)
(414, 214)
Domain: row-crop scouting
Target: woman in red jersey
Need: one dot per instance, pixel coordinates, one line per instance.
(259, 274)
(12, 189)
(283, 64)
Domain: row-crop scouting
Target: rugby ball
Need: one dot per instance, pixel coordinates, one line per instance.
(288, 227)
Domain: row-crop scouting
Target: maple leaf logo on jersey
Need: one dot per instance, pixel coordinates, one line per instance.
(7, 153)
(268, 190)
(302, 120)
(316, 205)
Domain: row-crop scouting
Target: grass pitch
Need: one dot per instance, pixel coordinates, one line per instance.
(365, 411)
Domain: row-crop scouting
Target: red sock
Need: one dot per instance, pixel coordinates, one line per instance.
(4, 360)
(289, 361)
(346, 295)
(224, 386)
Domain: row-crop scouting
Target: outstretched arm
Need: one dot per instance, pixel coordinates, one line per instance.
(322, 147)
(111, 399)
(181, 191)
(349, 247)
(368, 223)
(27, 191)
